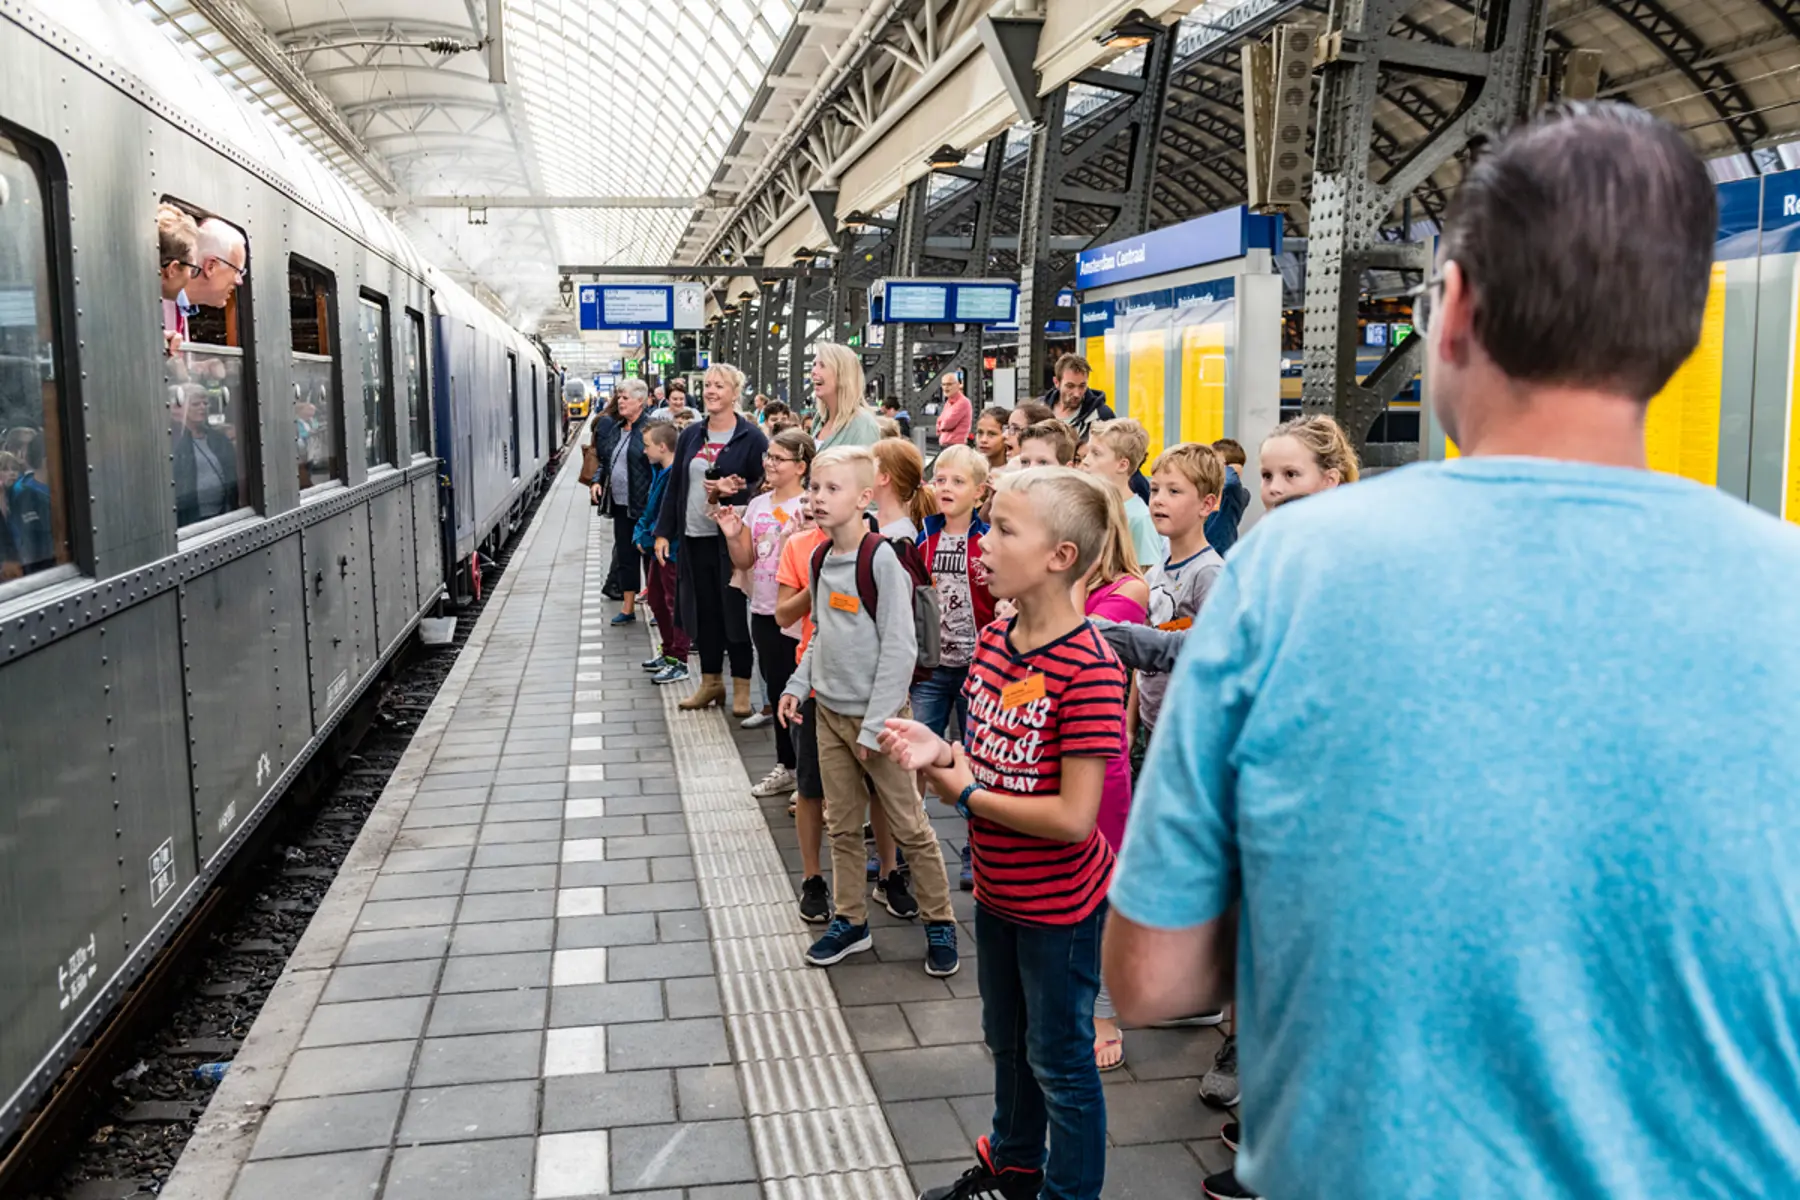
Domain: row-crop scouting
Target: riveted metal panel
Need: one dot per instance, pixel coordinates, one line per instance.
(244, 668)
(336, 555)
(59, 853)
(390, 566)
(427, 547)
(148, 762)
(104, 141)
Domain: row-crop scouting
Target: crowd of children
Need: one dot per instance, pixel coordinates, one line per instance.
(1002, 635)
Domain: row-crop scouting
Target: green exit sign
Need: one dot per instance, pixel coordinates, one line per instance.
(662, 339)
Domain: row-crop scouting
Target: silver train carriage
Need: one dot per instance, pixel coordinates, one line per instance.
(246, 436)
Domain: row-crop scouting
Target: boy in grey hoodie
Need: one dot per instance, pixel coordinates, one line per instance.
(858, 668)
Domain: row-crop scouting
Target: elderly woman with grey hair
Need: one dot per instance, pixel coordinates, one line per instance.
(717, 461)
(621, 487)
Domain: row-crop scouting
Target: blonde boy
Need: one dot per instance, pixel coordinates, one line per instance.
(858, 667)
(1116, 449)
(1185, 484)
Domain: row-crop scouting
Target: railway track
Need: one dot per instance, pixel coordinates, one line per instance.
(118, 1119)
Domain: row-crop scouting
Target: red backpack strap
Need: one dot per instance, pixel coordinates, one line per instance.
(865, 571)
(818, 564)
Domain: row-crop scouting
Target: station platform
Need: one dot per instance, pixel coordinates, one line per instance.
(564, 960)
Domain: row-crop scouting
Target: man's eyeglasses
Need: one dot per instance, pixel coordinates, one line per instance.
(240, 272)
(1425, 300)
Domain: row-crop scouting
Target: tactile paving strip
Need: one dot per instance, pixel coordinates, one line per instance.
(815, 1123)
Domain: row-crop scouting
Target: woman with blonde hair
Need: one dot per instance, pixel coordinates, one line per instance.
(902, 501)
(718, 461)
(845, 418)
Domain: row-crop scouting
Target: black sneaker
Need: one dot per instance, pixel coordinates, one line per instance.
(1225, 1186)
(984, 1179)
(896, 897)
(873, 866)
(815, 900)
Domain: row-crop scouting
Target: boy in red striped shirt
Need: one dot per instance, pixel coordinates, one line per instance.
(1046, 700)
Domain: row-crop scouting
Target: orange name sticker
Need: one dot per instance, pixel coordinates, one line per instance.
(849, 604)
(1023, 692)
(780, 515)
(1177, 624)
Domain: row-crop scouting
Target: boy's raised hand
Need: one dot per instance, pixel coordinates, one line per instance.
(788, 710)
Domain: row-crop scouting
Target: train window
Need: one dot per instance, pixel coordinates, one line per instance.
(417, 394)
(378, 396)
(204, 261)
(34, 507)
(512, 406)
(537, 423)
(318, 407)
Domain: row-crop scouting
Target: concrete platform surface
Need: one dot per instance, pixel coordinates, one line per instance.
(564, 960)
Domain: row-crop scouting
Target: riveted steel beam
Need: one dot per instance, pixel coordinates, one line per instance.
(1350, 204)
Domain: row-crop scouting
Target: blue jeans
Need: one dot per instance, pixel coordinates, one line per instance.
(934, 699)
(1037, 1003)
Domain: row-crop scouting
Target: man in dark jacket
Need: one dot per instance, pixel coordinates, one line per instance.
(206, 476)
(1072, 401)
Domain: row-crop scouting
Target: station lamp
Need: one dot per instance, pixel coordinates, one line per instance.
(857, 220)
(567, 289)
(945, 157)
(1134, 29)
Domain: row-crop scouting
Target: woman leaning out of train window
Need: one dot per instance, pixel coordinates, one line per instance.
(622, 486)
(717, 461)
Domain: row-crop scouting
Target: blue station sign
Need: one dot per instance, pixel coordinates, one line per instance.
(1216, 237)
(636, 306)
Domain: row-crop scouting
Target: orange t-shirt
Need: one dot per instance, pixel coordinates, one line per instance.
(795, 571)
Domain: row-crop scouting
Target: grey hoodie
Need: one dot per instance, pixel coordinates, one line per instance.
(859, 666)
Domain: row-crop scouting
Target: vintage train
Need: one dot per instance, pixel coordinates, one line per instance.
(246, 439)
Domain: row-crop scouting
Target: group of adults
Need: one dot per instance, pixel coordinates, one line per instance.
(718, 457)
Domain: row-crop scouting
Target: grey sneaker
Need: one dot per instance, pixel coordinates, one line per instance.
(1219, 1087)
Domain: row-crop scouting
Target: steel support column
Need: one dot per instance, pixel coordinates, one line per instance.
(1350, 203)
(768, 348)
(804, 297)
(909, 251)
(1038, 281)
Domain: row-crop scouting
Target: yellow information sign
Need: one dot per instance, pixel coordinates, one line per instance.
(1094, 350)
(1203, 382)
(1790, 500)
(1147, 399)
(1681, 431)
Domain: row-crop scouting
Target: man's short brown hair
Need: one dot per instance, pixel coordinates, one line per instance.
(1073, 362)
(1232, 451)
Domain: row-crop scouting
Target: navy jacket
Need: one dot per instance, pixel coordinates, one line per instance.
(1222, 526)
(742, 455)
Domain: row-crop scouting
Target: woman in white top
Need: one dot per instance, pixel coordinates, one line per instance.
(845, 419)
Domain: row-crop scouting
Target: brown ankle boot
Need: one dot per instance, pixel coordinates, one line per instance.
(740, 697)
(711, 691)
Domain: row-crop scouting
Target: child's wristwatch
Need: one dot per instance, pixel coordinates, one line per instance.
(962, 801)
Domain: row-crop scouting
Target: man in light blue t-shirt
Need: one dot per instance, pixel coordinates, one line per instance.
(1485, 787)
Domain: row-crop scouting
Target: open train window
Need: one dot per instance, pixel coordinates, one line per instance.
(512, 406)
(318, 405)
(377, 388)
(418, 392)
(203, 262)
(34, 469)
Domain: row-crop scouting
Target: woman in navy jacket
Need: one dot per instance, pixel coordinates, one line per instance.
(622, 486)
(717, 460)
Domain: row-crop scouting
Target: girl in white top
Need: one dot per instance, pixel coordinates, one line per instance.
(754, 539)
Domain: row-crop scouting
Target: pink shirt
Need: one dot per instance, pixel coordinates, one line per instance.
(767, 523)
(1115, 789)
(954, 422)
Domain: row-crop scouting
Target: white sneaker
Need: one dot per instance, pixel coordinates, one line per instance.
(775, 783)
(756, 720)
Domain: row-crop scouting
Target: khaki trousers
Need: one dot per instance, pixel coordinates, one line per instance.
(845, 801)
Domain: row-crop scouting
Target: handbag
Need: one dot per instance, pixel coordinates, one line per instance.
(590, 465)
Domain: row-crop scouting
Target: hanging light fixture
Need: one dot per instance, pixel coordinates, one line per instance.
(945, 157)
(1134, 29)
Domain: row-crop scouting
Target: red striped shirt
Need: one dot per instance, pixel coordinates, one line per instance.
(1018, 750)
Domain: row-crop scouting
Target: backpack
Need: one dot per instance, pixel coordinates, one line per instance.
(927, 609)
